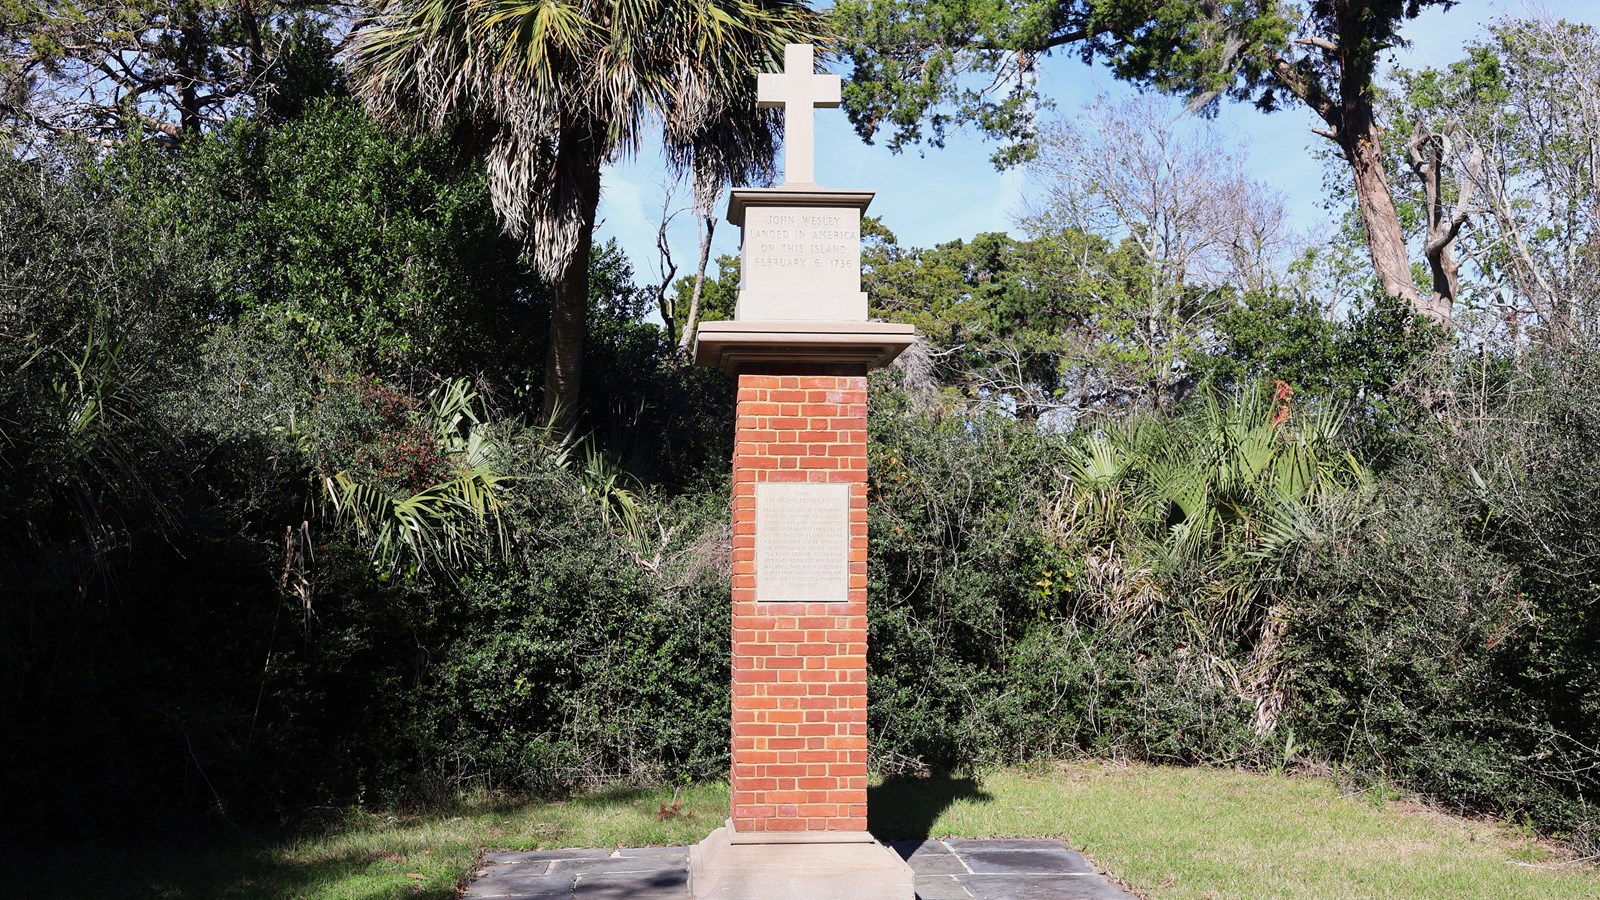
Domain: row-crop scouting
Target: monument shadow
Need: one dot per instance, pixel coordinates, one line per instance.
(905, 808)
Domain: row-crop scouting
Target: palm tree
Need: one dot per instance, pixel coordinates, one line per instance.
(550, 90)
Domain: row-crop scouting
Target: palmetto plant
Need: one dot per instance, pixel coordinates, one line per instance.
(444, 524)
(604, 482)
(600, 476)
(1208, 506)
(1232, 481)
(81, 455)
(549, 90)
(1239, 479)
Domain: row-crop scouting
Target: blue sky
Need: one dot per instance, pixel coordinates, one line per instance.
(955, 192)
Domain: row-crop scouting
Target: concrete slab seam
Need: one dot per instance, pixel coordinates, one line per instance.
(953, 852)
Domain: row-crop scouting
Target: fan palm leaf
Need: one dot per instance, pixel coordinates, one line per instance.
(1211, 504)
(1233, 482)
(436, 527)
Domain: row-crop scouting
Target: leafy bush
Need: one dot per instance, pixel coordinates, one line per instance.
(956, 550)
(188, 627)
(355, 245)
(1447, 628)
(573, 663)
(1370, 363)
(1015, 611)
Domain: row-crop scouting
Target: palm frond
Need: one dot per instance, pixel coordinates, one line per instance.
(434, 528)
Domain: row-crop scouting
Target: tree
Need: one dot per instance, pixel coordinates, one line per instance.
(358, 248)
(1141, 235)
(165, 70)
(1060, 323)
(1198, 230)
(915, 62)
(1510, 135)
(1128, 170)
(681, 302)
(992, 325)
(551, 91)
(696, 299)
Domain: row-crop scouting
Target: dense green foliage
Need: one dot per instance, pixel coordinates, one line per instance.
(922, 67)
(1447, 632)
(358, 242)
(261, 554)
(282, 526)
(1429, 625)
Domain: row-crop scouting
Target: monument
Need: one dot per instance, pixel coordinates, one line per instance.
(800, 345)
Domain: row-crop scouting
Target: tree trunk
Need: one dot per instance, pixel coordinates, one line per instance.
(569, 309)
(1386, 241)
(1353, 125)
(667, 303)
(1428, 152)
(707, 225)
(191, 57)
(1446, 270)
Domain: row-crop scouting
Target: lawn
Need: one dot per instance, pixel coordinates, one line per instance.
(1208, 833)
(1170, 833)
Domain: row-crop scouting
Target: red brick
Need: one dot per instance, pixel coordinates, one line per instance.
(799, 672)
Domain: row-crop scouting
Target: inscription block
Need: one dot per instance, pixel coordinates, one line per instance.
(818, 247)
(802, 542)
(801, 263)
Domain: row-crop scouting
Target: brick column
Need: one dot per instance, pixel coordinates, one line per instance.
(799, 668)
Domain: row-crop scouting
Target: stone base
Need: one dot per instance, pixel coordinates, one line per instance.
(797, 866)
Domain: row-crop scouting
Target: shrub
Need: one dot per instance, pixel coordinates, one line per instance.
(956, 550)
(1447, 629)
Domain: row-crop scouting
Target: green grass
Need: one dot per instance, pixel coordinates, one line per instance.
(1206, 833)
(364, 857)
(1170, 833)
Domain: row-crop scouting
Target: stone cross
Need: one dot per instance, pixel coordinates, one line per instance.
(797, 91)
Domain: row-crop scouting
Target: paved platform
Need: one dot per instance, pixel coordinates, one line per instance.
(946, 870)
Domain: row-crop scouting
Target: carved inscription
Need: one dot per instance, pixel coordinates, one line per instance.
(802, 542)
(798, 248)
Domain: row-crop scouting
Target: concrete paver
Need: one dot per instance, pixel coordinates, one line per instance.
(511, 885)
(620, 865)
(957, 869)
(1041, 887)
(941, 887)
(1034, 862)
(652, 851)
(507, 856)
(929, 858)
(662, 884)
(1015, 869)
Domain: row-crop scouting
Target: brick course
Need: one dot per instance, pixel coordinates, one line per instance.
(799, 669)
